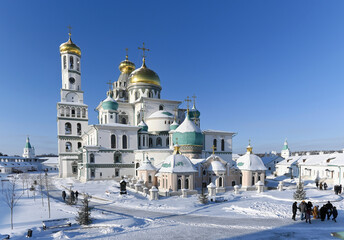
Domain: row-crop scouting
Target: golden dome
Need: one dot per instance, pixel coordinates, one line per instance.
(126, 66)
(144, 75)
(70, 47)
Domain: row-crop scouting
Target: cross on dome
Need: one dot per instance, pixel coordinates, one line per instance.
(214, 148)
(69, 30)
(187, 100)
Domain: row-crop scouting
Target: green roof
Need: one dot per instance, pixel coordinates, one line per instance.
(188, 138)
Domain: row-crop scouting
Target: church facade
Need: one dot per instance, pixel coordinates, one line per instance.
(135, 126)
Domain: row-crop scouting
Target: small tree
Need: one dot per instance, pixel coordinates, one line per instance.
(41, 186)
(47, 189)
(11, 196)
(300, 193)
(84, 213)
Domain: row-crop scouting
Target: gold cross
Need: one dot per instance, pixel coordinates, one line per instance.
(144, 49)
(187, 100)
(109, 83)
(126, 55)
(214, 148)
(194, 98)
(70, 30)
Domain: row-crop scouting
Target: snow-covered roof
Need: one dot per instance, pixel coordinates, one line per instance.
(250, 162)
(177, 163)
(147, 165)
(16, 164)
(271, 157)
(216, 166)
(52, 160)
(161, 114)
(188, 126)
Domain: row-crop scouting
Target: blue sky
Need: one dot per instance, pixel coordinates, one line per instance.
(268, 70)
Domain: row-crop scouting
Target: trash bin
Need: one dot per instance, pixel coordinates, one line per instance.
(29, 233)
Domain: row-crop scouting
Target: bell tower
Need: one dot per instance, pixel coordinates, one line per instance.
(72, 113)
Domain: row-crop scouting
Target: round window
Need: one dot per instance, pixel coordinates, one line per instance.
(71, 80)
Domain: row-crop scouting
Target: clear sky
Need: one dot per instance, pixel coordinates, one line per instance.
(267, 70)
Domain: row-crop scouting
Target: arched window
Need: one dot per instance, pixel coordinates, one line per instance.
(139, 138)
(73, 112)
(113, 141)
(117, 157)
(83, 112)
(137, 166)
(187, 183)
(258, 177)
(124, 120)
(71, 62)
(68, 146)
(179, 184)
(215, 143)
(158, 142)
(167, 142)
(78, 128)
(64, 62)
(240, 180)
(124, 142)
(253, 181)
(150, 142)
(91, 158)
(150, 94)
(137, 95)
(220, 182)
(149, 179)
(222, 145)
(233, 183)
(78, 112)
(78, 64)
(143, 141)
(161, 107)
(79, 145)
(68, 128)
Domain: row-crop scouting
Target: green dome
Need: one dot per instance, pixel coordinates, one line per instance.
(143, 126)
(194, 113)
(174, 126)
(110, 104)
(188, 134)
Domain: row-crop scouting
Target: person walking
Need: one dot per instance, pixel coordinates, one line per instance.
(72, 197)
(316, 212)
(317, 183)
(64, 195)
(294, 208)
(334, 214)
(323, 213)
(309, 206)
(329, 208)
(302, 208)
(325, 186)
(76, 195)
(321, 186)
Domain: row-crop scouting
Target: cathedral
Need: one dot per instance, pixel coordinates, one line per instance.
(138, 134)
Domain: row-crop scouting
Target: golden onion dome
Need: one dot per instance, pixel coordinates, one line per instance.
(144, 75)
(126, 66)
(70, 47)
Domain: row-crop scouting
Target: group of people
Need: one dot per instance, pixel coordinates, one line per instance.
(73, 196)
(321, 185)
(307, 210)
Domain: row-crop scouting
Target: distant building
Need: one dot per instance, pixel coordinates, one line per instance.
(285, 153)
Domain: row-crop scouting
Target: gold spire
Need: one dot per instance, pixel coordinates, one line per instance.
(143, 55)
(214, 148)
(126, 66)
(176, 148)
(249, 148)
(187, 100)
(109, 93)
(126, 55)
(69, 31)
(69, 46)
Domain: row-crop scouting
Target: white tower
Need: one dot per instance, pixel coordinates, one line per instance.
(72, 113)
(285, 153)
(29, 151)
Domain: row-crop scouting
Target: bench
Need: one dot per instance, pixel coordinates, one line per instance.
(62, 222)
(4, 236)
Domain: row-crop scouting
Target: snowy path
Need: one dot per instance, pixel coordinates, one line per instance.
(193, 225)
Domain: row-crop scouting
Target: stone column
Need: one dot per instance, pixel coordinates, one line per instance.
(280, 186)
(236, 189)
(211, 190)
(154, 193)
(260, 187)
(145, 191)
(184, 193)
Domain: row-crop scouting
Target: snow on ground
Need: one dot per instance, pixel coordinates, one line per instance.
(249, 215)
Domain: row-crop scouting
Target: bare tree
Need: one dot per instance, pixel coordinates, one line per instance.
(47, 189)
(41, 186)
(11, 196)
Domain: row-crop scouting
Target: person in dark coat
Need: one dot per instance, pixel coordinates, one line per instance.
(340, 189)
(334, 214)
(64, 195)
(309, 206)
(321, 186)
(294, 208)
(317, 182)
(76, 195)
(329, 208)
(325, 186)
(323, 213)
(72, 196)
